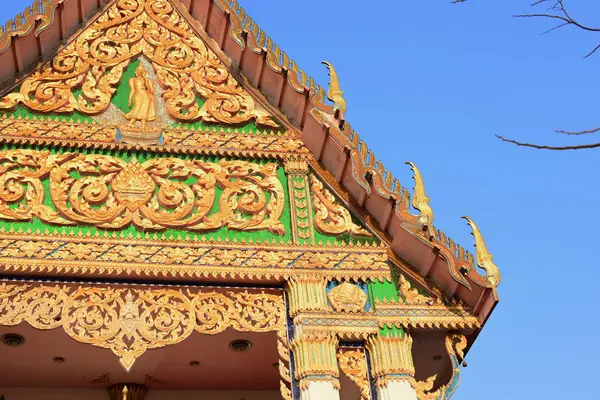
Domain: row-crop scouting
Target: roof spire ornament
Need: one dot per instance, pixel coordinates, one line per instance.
(420, 201)
(484, 257)
(334, 93)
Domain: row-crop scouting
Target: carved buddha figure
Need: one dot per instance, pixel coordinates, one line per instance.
(141, 99)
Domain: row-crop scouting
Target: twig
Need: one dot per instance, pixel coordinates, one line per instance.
(543, 147)
(578, 132)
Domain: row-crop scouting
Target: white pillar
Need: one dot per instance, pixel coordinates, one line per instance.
(396, 390)
(315, 365)
(392, 367)
(317, 390)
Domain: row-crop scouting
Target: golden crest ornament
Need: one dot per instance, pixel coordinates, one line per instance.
(347, 297)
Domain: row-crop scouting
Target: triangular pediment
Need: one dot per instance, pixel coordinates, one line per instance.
(138, 67)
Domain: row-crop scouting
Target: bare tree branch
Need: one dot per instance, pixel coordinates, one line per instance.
(578, 132)
(559, 13)
(544, 147)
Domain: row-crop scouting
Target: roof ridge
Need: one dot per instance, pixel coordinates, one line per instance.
(363, 160)
(22, 23)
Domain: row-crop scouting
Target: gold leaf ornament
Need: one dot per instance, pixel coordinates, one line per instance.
(347, 297)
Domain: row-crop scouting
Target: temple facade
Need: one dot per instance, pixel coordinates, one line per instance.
(185, 214)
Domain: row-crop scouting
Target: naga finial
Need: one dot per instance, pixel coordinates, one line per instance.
(484, 257)
(420, 200)
(334, 93)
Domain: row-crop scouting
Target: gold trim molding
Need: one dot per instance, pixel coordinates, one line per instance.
(116, 255)
(211, 141)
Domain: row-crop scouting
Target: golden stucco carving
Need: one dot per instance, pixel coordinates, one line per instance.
(182, 140)
(330, 217)
(347, 297)
(353, 363)
(411, 294)
(131, 321)
(285, 145)
(52, 129)
(94, 63)
(455, 346)
(298, 187)
(113, 193)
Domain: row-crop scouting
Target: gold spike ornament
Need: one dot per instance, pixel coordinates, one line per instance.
(334, 93)
(420, 200)
(484, 257)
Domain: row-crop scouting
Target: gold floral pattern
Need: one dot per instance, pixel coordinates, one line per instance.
(96, 60)
(112, 193)
(130, 321)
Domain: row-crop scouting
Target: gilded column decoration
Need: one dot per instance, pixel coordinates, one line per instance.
(315, 359)
(307, 293)
(332, 218)
(96, 60)
(130, 321)
(302, 219)
(112, 193)
(391, 358)
(347, 297)
(353, 363)
(455, 345)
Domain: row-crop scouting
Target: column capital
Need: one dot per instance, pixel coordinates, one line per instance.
(391, 358)
(315, 359)
(307, 293)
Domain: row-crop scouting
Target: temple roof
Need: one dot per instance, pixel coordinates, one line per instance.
(299, 102)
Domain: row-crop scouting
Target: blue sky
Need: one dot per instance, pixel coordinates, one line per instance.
(433, 83)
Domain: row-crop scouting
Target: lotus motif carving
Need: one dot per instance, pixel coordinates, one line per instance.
(133, 186)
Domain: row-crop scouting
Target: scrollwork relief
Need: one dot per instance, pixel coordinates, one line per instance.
(131, 321)
(353, 364)
(330, 217)
(157, 194)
